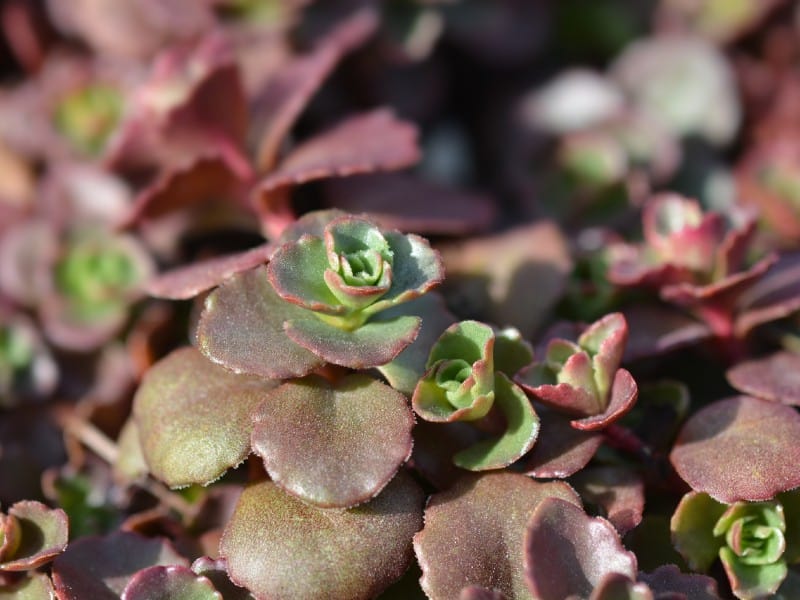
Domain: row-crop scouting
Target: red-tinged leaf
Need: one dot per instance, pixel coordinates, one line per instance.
(373, 344)
(434, 447)
(409, 203)
(375, 141)
(617, 491)
(776, 378)
(355, 435)
(189, 281)
(624, 393)
(169, 583)
(287, 94)
(43, 535)
(492, 276)
(36, 586)
(616, 586)
(474, 533)
(242, 328)
(668, 579)
(605, 340)
(775, 295)
(741, 448)
(101, 567)
(560, 450)
(192, 184)
(568, 553)
(217, 572)
(477, 592)
(564, 397)
(194, 417)
(272, 543)
(656, 330)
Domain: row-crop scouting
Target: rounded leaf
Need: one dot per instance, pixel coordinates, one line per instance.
(169, 583)
(472, 530)
(280, 547)
(355, 435)
(776, 378)
(194, 417)
(43, 534)
(568, 553)
(692, 528)
(37, 586)
(741, 448)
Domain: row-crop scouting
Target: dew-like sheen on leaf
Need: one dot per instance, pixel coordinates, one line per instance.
(355, 435)
(280, 547)
(194, 417)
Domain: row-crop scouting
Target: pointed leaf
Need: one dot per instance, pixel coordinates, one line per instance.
(370, 345)
(355, 435)
(776, 378)
(101, 567)
(569, 553)
(472, 530)
(273, 541)
(719, 439)
(194, 417)
(43, 535)
(522, 428)
(169, 583)
(241, 327)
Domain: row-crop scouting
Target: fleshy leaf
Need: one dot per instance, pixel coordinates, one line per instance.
(216, 571)
(669, 579)
(194, 417)
(617, 586)
(776, 378)
(477, 592)
(37, 586)
(569, 553)
(101, 567)
(624, 393)
(272, 543)
(751, 582)
(355, 435)
(169, 583)
(617, 491)
(472, 528)
(692, 528)
(372, 344)
(241, 328)
(710, 448)
(43, 535)
(522, 428)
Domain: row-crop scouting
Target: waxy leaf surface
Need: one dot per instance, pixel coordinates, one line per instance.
(741, 448)
(169, 583)
(280, 547)
(776, 377)
(43, 534)
(355, 435)
(474, 533)
(194, 417)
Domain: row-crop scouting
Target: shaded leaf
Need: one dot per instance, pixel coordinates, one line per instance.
(692, 527)
(43, 535)
(37, 586)
(656, 330)
(624, 393)
(241, 327)
(618, 491)
(101, 567)
(474, 533)
(617, 586)
(668, 579)
(752, 582)
(569, 553)
(169, 583)
(216, 571)
(194, 417)
(776, 378)
(355, 435)
(719, 440)
(272, 543)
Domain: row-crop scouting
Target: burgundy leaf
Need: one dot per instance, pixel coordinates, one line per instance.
(187, 282)
(273, 541)
(355, 436)
(776, 378)
(474, 533)
(169, 583)
(668, 579)
(774, 296)
(568, 553)
(656, 330)
(618, 491)
(43, 534)
(217, 572)
(741, 448)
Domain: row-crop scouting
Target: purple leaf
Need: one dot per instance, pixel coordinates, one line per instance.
(100, 567)
(272, 543)
(217, 572)
(169, 583)
(776, 378)
(474, 533)
(355, 434)
(719, 439)
(618, 491)
(569, 553)
(667, 581)
(194, 417)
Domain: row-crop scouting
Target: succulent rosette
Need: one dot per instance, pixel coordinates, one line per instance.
(320, 300)
(756, 541)
(583, 378)
(469, 372)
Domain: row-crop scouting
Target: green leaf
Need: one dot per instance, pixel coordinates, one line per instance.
(194, 417)
(519, 437)
(511, 352)
(44, 533)
(692, 527)
(372, 344)
(750, 582)
(36, 586)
